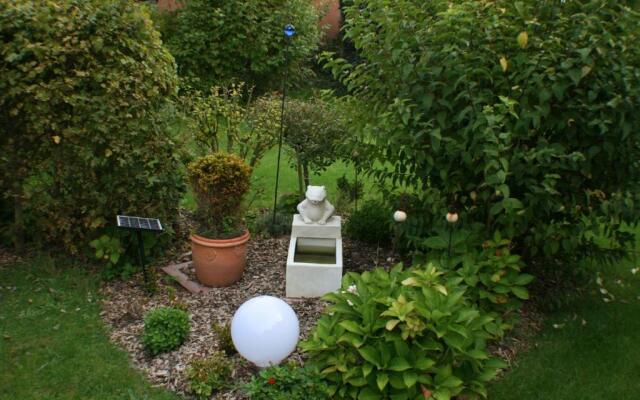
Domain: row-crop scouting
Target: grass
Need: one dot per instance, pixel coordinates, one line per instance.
(589, 350)
(264, 177)
(53, 344)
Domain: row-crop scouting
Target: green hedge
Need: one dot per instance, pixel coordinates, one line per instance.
(84, 92)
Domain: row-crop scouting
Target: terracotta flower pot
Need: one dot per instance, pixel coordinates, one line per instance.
(219, 262)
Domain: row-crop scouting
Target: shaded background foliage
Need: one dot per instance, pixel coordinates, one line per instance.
(520, 115)
(84, 103)
(215, 42)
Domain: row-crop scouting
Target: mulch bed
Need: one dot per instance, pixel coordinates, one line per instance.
(125, 303)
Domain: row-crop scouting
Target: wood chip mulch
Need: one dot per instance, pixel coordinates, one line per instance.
(125, 303)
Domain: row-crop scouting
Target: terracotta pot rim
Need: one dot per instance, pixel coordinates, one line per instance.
(207, 242)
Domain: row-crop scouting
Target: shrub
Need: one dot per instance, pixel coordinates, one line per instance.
(313, 129)
(371, 223)
(83, 136)
(217, 41)
(164, 329)
(349, 191)
(521, 116)
(209, 375)
(287, 382)
(402, 334)
(247, 128)
(225, 343)
(219, 182)
(490, 272)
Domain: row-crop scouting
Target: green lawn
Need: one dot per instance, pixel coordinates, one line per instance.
(264, 177)
(53, 344)
(592, 353)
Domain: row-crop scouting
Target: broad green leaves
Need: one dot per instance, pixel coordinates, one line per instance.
(417, 332)
(500, 101)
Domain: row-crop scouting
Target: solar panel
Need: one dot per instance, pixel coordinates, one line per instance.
(147, 224)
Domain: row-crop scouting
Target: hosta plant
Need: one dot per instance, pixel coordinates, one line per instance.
(402, 334)
(492, 274)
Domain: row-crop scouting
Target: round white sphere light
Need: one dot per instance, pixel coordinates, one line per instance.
(265, 330)
(399, 216)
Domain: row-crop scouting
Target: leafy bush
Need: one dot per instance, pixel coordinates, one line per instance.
(209, 375)
(371, 223)
(402, 334)
(219, 182)
(225, 343)
(217, 41)
(349, 191)
(85, 89)
(287, 382)
(249, 128)
(520, 114)
(164, 329)
(313, 129)
(491, 274)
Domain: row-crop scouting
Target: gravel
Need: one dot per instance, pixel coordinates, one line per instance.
(125, 303)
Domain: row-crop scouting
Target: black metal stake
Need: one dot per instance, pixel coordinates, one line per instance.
(141, 258)
(449, 250)
(356, 185)
(284, 95)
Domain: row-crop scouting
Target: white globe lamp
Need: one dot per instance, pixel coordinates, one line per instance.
(399, 216)
(265, 330)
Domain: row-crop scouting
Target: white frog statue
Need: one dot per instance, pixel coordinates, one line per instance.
(316, 207)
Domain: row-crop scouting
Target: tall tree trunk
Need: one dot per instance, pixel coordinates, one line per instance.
(300, 179)
(305, 171)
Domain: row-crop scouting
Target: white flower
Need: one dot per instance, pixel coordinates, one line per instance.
(399, 216)
(352, 289)
(635, 270)
(452, 218)
(350, 303)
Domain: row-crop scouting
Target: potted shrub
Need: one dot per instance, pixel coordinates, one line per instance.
(219, 246)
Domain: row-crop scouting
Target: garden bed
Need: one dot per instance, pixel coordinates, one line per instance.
(125, 304)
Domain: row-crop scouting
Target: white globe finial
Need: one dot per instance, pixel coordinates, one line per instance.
(399, 216)
(265, 330)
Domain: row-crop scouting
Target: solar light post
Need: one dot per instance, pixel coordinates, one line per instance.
(138, 225)
(289, 32)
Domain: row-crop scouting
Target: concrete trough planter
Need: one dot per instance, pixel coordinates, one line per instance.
(314, 261)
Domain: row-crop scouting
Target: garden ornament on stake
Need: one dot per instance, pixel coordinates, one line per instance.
(289, 32)
(265, 330)
(452, 218)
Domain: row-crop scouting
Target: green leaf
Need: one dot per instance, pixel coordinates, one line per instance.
(410, 378)
(382, 379)
(370, 354)
(399, 364)
(524, 279)
(351, 326)
(368, 394)
(520, 292)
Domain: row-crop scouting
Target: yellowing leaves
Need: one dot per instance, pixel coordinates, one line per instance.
(56, 139)
(523, 39)
(504, 64)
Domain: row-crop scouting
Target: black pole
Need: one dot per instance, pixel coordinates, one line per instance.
(141, 258)
(450, 237)
(284, 95)
(356, 185)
